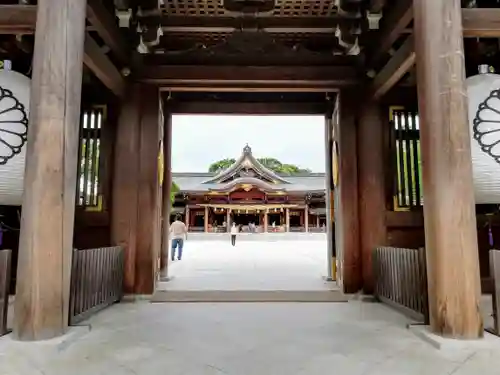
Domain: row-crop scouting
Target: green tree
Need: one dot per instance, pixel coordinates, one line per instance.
(220, 165)
(270, 163)
(174, 189)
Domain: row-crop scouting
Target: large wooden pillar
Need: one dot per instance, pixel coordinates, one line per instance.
(46, 239)
(135, 187)
(371, 184)
(149, 201)
(167, 187)
(346, 195)
(125, 186)
(330, 252)
(450, 222)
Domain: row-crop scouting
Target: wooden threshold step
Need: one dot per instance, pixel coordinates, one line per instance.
(249, 296)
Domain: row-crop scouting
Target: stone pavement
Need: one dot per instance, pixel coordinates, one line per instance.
(354, 338)
(257, 265)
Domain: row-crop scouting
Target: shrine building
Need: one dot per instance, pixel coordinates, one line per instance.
(249, 193)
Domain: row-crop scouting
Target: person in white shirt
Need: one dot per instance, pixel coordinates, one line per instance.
(178, 233)
(234, 232)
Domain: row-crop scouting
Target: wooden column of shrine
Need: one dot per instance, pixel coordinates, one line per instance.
(450, 222)
(287, 219)
(306, 218)
(266, 221)
(136, 180)
(347, 224)
(46, 239)
(205, 218)
(371, 184)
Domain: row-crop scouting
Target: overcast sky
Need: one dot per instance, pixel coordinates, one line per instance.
(200, 140)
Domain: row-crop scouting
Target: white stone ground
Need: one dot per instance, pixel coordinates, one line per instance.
(352, 338)
(256, 265)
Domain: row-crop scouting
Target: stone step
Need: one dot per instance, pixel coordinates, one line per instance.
(309, 296)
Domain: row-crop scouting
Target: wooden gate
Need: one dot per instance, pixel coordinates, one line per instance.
(96, 281)
(401, 280)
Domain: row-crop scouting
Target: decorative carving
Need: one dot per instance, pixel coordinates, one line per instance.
(257, 45)
(13, 125)
(247, 173)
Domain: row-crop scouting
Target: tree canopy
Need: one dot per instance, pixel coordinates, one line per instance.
(174, 189)
(271, 163)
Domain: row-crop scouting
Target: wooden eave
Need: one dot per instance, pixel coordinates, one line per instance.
(242, 182)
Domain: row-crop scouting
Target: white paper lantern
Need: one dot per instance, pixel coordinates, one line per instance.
(14, 113)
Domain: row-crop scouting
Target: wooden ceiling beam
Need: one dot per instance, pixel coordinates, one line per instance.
(400, 64)
(209, 23)
(105, 25)
(21, 19)
(17, 19)
(244, 108)
(393, 24)
(481, 22)
(377, 5)
(102, 67)
(248, 78)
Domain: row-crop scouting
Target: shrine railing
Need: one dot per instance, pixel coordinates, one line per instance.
(495, 277)
(401, 280)
(96, 281)
(5, 269)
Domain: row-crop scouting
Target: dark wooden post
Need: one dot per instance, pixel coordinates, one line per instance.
(136, 203)
(167, 186)
(371, 183)
(125, 184)
(450, 222)
(45, 248)
(149, 204)
(347, 225)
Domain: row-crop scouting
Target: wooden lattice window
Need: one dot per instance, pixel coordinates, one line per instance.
(405, 134)
(283, 8)
(301, 8)
(89, 160)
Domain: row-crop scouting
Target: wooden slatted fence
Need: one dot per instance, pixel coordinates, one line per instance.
(96, 281)
(5, 269)
(401, 280)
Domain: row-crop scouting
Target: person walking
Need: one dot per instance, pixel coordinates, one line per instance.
(234, 232)
(178, 231)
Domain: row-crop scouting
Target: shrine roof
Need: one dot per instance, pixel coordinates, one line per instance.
(247, 171)
(195, 182)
